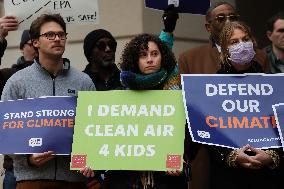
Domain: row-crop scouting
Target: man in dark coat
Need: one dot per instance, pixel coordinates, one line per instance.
(99, 49)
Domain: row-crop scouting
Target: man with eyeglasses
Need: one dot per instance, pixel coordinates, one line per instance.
(99, 49)
(49, 75)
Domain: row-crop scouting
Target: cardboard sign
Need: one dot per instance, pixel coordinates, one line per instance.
(73, 11)
(37, 125)
(233, 110)
(129, 130)
(183, 6)
(279, 116)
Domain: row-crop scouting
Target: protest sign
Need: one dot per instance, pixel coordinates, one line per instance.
(37, 125)
(72, 11)
(183, 6)
(233, 110)
(129, 130)
(278, 110)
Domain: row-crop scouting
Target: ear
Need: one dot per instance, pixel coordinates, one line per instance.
(92, 59)
(208, 27)
(36, 43)
(268, 34)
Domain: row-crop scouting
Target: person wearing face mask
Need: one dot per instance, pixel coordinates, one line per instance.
(238, 48)
(99, 49)
(246, 167)
(204, 59)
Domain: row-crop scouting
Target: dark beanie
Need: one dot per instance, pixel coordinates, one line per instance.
(92, 38)
(25, 38)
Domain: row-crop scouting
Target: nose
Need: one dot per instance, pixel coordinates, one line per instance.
(149, 59)
(227, 20)
(57, 37)
(107, 49)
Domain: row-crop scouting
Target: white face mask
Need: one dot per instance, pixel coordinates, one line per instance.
(241, 53)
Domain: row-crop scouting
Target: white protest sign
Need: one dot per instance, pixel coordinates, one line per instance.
(175, 2)
(73, 11)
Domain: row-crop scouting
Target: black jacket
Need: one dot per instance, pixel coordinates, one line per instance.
(113, 83)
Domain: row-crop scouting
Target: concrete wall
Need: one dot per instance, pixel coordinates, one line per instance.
(125, 19)
(121, 17)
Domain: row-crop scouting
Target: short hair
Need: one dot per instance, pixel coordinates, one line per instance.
(227, 33)
(44, 18)
(130, 55)
(211, 8)
(270, 22)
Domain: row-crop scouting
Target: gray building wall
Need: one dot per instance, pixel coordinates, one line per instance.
(125, 19)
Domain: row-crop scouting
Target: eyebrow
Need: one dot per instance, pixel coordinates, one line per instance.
(280, 30)
(223, 14)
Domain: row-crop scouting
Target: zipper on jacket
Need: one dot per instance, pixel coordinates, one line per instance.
(53, 86)
(106, 84)
(55, 167)
(53, 93)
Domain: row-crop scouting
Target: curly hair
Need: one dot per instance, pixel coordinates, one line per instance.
(226, 35)
(130, 55)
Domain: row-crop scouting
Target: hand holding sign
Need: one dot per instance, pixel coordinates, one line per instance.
(40, 159)
(87, 172)
(246, 161)
(264, 158)
(7, 23)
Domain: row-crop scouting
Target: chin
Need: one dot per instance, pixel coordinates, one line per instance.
(149, 72)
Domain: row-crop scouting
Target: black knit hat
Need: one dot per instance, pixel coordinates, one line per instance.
(92, 38)
(25, 38)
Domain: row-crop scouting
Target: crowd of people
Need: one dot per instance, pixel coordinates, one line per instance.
(147, 63)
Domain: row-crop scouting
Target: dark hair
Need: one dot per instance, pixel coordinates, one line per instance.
(92, 38)
(130, 55)
(209, 11)
(25, 38)
(270, 22)
(44, 18)
(227, 33)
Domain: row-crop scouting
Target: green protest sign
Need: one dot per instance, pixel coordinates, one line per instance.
(129, 130)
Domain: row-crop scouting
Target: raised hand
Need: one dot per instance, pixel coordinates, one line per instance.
(7, 23)
(170, 17)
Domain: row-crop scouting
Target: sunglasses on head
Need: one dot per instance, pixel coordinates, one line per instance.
(101, 45)
(223, 18)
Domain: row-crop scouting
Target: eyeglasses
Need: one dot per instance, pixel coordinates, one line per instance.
(223, 18)
(52, 35)
(101, 45)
